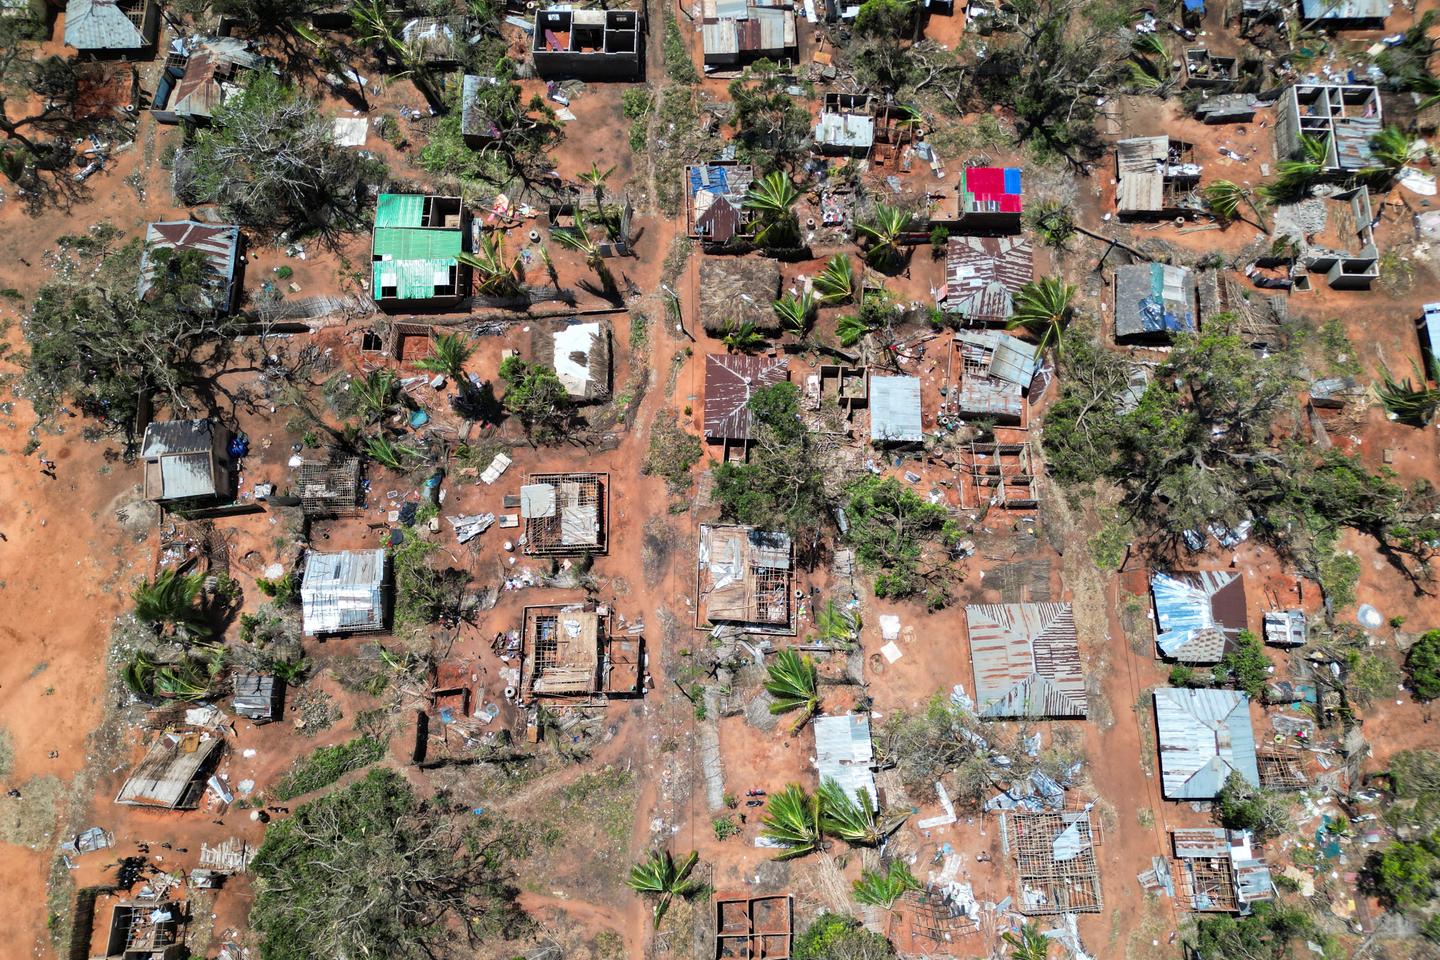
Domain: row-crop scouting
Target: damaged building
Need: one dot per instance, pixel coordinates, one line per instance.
(995, 374)
(1153, 302)
(744, 578)
(1055, 861)
(186, 462)
(1198, 616)
(1156, 178)
(730, 381)
(984, 274)
(571, 653)
(172, 775)
(1342, 118)
(715, 193)
(565, 514)
(1203, 736)
(1218, 871)
(588, 44)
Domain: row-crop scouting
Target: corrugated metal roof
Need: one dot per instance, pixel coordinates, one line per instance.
(843, 753)
(217, 243)
(845, 130)
(103, 25)
(730, 381)
(176, 436)
(1154, 299)
(1432, 328)
(1026, 660)
(1140, 164)
(169, 776)
(1197, 614)
(399, 210)
(1204, 735)
(983, 274)
(1344, 9)
(1200, 842)
(343, 591)
(895, 410)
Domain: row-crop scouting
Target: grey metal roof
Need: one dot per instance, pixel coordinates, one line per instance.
(254, 696)
(1204, 736)
(1197, 613)
(537, 500)
(179, 459)
(845, 130)
(1154, 299)
(1140, 163)
(1432, 328)
(1026, 660)
(472, 124)
(101, 25)
(343, 591)
(1344, 9)
(176, 436)
(895, 410)
(843, 753)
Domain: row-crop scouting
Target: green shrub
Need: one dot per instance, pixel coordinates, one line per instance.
(837, 937)
(327, 765)
(1246, 665)
(1422, 666)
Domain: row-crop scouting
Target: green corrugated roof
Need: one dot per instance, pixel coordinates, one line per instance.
(399, 210)
(412, 279)
(419, 243)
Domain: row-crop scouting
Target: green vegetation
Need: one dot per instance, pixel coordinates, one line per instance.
(781, 486)
(327, 765)
(725, 826)
(1031, 944)
(679, 66)
(173, 604)
(1052, 221)
(1240, 806)
(894, 533)
(536, 395)
(372, 864)
(671, 454)
(772, 126)
(1269, 933)
(883, 889)
(1415, 781)
(1245, 665)
(883, 230)
(793, 681)
(838, 282)
(836, 937)
(1422, 667)
(422, 593)
(1406, 874)
(800, 822)
(1043, 309)
(1413, 403)
(283, 589)
(772, 199)
(661, 878)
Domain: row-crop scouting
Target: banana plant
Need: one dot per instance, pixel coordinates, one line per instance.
(772, 199)
(741, 336)
(1412, 403)
(883, 231)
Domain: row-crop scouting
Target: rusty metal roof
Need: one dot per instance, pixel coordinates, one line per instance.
(1198, 615)
(730, 381)
(1204, 736)
(983, 274)
(1026, 660)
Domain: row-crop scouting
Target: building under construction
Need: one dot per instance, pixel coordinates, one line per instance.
(571, 653)
(753, 928)
(1055, 854)
(1217, 870)
(566, 514)
(744, 577)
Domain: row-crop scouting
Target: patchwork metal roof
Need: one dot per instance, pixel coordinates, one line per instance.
(343, 591)
(843, 753)
(730, 381)
(983, 274)
(895, 410)
(990, 190)
(1203, 736)
(208, 76)
(848, 130)
(170, 776)
(219, 244)
(1026, 660)
(1154, 299)
(1198, 614)
(179, 459)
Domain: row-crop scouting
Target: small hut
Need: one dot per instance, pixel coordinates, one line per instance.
(579, 353)
(735, 292)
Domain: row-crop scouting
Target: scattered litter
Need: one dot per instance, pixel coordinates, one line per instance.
(499, 465)
(468, 528)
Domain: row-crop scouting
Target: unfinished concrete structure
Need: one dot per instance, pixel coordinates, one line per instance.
(1026, 660)
(1340, 117)
(565, 514)
(1209, 70)
(1217, 870)
(146, 929)
(1055, 860)
(575, 44)
(1002, 474)
(1156, 177)
(1335, 236)
(172, 775)
(570, 653)
(743, 577)
(749, 927)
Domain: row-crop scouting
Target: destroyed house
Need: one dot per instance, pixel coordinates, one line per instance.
(1155, 177)
(218, 246)
(749, 927)
(730, 381)
(172, 775)
(476, 128)
(983, 275)
(995, 374)
(579, 353)
(1341, 119)
(199, 76)
(895, 410)
(1153, 302)
(1345, 14)
(329, 488)
(145, 930)
(587, 44)
(738, 291)
(1055, 860)
(415, 251)
(1335, 236)
(344, 592)
(1217, 870)
(990, 198)
(1203, 736)
(1197, 615)
(844, 754)
(570, 653)
(565, 514)
(258, 698)
(186, 461)
(1285, 628)
(847, 125)
(735, 32)
(1210, 71)
(715, 211)
(1026, 660)
(744, 577)
(112, 29)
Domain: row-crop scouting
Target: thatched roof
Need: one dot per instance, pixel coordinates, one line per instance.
(739, 291)
(579, 353)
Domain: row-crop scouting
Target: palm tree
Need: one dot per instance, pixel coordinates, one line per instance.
(851, 328)
(883, 231)
(1031, 944)
(1393, 147)
(1150, 67)
(578, 238)
(837, 283)
(496, 275)
(796, 313)
(596, 178)
(883, 889)
(853, 819)
(172, 605)
(184, 680)
(772, 198)
(375, 394)
(837, 625)
(388, 453)
(795, 684)
(1225, 197)
(793, 822)
(660, 877)
(1042, 307)
(741, 336)
(448, 356)
(1408, 402)
(139, 675)
(1292, 179)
